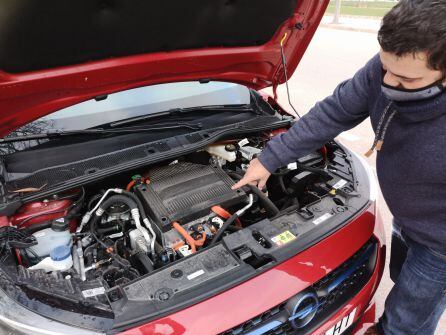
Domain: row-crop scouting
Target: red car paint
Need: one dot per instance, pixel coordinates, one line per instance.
(366, 321)
(40, 211)
(243, 302)
(27, 96)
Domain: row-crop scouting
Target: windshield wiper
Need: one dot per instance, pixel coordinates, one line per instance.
(100, 131)
(180, 111)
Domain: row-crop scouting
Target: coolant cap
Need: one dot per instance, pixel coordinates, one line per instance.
(60, 253)
(59, 225)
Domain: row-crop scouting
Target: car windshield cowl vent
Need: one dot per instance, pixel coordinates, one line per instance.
(49, 180)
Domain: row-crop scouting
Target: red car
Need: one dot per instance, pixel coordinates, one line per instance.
(124, 125)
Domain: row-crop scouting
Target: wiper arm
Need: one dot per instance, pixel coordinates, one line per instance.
(180, 111)
(236, 108)
(100, 131)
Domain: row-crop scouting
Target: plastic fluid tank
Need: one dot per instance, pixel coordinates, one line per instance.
(49, 239)
(60, 260)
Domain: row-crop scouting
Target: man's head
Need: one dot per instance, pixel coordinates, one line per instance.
(413, 43)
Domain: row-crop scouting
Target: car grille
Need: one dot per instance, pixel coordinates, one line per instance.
(343, 283)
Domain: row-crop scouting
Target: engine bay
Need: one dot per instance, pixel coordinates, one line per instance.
(86, 244)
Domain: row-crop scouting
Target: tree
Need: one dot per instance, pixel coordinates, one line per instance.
(337, 12)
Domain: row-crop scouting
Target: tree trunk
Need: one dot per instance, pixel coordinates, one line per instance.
(337, 12)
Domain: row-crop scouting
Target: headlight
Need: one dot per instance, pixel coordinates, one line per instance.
(17, 320)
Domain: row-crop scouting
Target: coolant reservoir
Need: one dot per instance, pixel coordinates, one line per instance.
(51, 238)
(60, 260)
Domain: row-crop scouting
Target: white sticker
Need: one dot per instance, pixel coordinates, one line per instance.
(292, 166)
(339, 184)
(243, 142)
(322, 218)
(342, 325)
(195, 274)
(93, 292)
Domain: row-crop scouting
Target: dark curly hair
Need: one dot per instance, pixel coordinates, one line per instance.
(416, 26)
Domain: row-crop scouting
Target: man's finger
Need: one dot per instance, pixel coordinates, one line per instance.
(244, 181)
(239, 184)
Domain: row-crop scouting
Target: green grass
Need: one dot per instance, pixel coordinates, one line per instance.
(362, 8)
(367, 4)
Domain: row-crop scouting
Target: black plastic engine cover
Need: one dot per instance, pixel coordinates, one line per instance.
(185, 191)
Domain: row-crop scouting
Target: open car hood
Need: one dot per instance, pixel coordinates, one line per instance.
(54, 54)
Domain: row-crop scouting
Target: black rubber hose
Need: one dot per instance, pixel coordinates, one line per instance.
(271, 209)
(94, 199)
(282, 184)
(118, 198)
(316, 170)
(94, 223)
(88, 253)
(114, 199)
(145, 261)
(223, 228)
(138, 202)
(75, 211)
(109, 230)
(304, 167)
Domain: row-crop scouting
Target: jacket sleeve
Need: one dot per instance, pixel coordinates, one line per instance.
(343, 110)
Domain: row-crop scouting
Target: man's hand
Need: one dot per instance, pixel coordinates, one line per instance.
(256, 175)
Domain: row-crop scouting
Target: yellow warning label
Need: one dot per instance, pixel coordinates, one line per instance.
(283, 238)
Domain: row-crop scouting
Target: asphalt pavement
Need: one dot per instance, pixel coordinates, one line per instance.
(335, 55)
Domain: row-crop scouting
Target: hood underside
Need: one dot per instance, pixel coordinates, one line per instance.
(53, 55)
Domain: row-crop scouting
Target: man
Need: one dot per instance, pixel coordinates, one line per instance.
(402, 90)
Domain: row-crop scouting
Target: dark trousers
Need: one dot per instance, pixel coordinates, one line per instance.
(418, 298)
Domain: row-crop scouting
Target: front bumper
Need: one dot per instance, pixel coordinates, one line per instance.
(362, 302)
(17, 320)
(271, 288)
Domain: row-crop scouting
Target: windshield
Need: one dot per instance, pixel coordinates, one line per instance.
(129, 104)
(144, 101)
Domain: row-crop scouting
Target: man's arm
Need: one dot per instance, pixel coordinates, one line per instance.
(343, 110)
